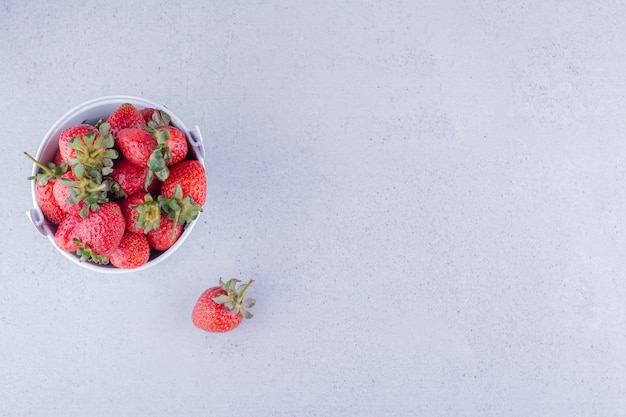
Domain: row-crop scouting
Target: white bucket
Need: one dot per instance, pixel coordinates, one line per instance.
(90, 112)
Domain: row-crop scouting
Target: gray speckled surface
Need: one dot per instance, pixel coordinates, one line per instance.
(429, 195)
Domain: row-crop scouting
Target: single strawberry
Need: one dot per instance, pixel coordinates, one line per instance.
(191, 177)
(147, 113)
(68, 134)
(164, 236)
(221, 309)
(132, 252)
(44, 189)
(125, 116)
(141, 212)
(100, 233)
(129, 177)
(172, 141)
(136, 145)
(146, 149)
(128, 205)
(176, 143)
(156, 118)
(65, 237)
(48, 204)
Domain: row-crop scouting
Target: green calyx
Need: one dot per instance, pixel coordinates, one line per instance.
(183, 210)
(87, 254)
(234, 300)
(46, 172)
(149, 214)
(95, 151)
(89, 187)
(116, 192)
(159, 118)
(160, 156)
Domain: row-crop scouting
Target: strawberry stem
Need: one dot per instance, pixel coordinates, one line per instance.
(176, 216)
(243, 291)
(40, 165)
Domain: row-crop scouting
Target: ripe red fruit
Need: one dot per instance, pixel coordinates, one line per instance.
(191, 177)
(58, 158)
(155, 118)
(64, 236)
(132, 252)
(125, 116)
(136, 145)
(48, 204)
(177, 143)
(147, 114)
(61, 194)
(82, 189)
(221, 309)
(102, 230)
(44, 188)
(80, 131)
(165, 235)
(141, 212)
(130, 177)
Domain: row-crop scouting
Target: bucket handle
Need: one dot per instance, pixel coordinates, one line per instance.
(195, 138)
(39, 221)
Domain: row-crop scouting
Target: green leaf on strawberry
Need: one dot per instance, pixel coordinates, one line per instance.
(234, 300)
(85, 253)
(149, 214)
(183, 210)
(159, 158)
(157, 164)
(159, 118)
(222, 308)
(89, 187)
(95, 150)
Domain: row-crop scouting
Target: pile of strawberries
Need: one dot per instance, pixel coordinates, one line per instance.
(123, 190)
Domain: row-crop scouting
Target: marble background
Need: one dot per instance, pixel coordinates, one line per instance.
(429, 195)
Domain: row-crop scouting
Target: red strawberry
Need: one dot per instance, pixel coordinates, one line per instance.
(44, 189)
(79, 131)
(130, 177)
(48, 204)
(221, 309)
(125, 116)
(58, 158)
(147, 114)
(179, 208)
(177, 144)
(154, 188)
(136, 145)
(191, 177)
(141, 212)
(128, 205)
(155, 118)
(163, 237)
(61, 194)
(101, 232)
(78, 191)
(92, 149)
(132, 252)
(65, 235)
